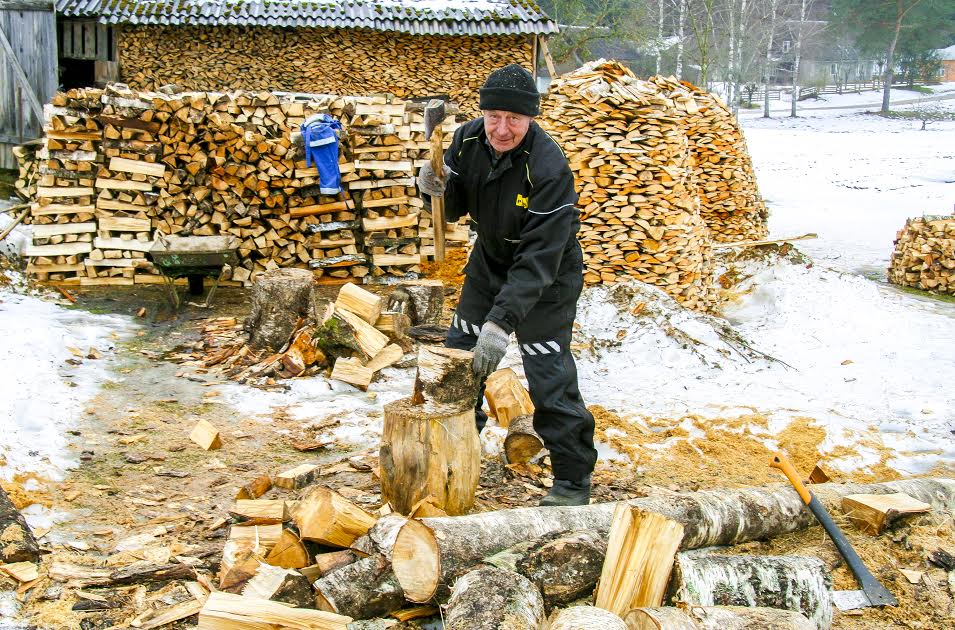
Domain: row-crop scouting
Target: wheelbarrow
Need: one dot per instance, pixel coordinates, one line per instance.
(195, 258)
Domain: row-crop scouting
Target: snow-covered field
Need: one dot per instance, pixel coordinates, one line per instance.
(863, 358)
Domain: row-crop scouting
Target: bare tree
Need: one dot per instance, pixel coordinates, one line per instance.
(805, 29)
(681, 35)
(902, 7)
(772, 21)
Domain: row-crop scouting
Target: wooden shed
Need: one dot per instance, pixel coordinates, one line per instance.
(28, 70)
(405, 47)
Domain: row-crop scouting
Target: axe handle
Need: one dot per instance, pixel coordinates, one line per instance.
(437, 202)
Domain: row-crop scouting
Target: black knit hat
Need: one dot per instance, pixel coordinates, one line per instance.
(511, 89)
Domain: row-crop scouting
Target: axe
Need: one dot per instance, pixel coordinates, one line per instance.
(872, 593)
(434, 114)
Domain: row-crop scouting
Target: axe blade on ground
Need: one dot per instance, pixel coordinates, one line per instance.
(434, 114)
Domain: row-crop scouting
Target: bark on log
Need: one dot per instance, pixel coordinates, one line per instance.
(563, 566)
(716, 618)
(427, 302)
(280, 585)
(490, 598)
(429, 450)
(586, 618)
(796, 583)
(522, 443)
(430, 553)
(17, 543)
(280, 299)
(445, 376)
(365, 588)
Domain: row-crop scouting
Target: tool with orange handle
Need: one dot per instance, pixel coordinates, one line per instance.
(872, 589)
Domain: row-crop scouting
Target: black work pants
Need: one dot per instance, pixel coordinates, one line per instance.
(560, 416)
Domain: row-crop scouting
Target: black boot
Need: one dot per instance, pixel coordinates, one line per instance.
(568, 493)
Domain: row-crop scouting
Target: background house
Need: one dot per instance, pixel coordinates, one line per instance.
(947, 57)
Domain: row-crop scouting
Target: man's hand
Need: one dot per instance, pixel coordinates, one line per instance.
(490, 349)
(429, 183)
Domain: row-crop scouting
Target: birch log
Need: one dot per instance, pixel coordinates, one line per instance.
(796, 583)
(716, 618)
(522, 443)
(564, 566)
(586, 618)
(490, 598)
(17, 543)
(445, 376)
(430, 553)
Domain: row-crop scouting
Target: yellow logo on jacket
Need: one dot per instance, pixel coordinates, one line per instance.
(521, 201)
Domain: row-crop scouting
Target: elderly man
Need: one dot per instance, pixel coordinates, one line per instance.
(526, 270)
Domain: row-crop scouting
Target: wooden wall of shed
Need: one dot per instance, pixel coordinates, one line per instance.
(329, 61)
(31, 30)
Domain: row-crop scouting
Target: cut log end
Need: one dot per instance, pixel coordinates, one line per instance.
(416, 561)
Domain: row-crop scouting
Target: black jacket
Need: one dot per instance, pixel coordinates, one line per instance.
(525, 214)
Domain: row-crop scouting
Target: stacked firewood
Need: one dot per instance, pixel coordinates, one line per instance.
(640, 214)
(324, 60)
(924, 255)
(63, 215)
(730, 202)
(28, 168)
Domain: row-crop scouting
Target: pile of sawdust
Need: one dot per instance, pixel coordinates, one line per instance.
(451, 271)
(21, 497)
(693, 452)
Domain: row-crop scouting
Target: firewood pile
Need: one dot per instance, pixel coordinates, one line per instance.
(119, 166)
(924, 255)
(28, 168)
(730, 202)
(640, 211)
(339, 61)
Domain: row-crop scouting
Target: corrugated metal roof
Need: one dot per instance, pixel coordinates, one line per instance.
(418, 17)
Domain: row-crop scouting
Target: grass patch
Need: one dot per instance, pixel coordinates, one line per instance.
(921, 89)
(940, 297)
(917, 115)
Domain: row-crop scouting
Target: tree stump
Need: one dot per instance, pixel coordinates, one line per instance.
(281, 299)
(429, 450)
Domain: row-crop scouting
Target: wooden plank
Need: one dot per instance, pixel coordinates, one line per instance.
(32, 268)
(110, 204)
(381, 203)
(388, 109)
(380, 183)
(389, 223)
(131, 123)
(20, 76)
(317, 209)
(380, 165)
(56, 229)
(384, 260)
(104, 282)
(135, 166)
(63, 249)
(59, 208)
(74, 135)
(53, 191)
(124, 224)
(117, 184)
(118, 243)
(113, 262)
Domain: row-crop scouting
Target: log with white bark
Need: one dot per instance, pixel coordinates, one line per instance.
(428, 554)
(522, 443)
(564, 566)
(490, 598)
(280, 299)
(716, 618)
(445, 375)
(797, 583)
(586, 618)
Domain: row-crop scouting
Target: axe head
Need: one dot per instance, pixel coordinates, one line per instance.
(434, 114)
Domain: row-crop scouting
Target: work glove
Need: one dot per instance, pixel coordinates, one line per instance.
(429, 183)
(490, 349)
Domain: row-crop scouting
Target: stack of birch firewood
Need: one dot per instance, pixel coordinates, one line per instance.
(924, 255)
(730, 202)
(640, 212)
(28, 168)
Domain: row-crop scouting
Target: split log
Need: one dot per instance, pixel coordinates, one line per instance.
(330, 561)
(255, 488)
(388, 356)
(506, 397)
(716, 618)
(350, 370)
(490, 598)
(224, 611)
(297, 477)
(586, 618)
(429, 554)
(281, 299)
(363, 303)
(280, 585)
(800, 584)
(445, 376)
(240, 562)
(17, 543)
(639, 559)
(522, 443)
(563, 566)
(206, 435)
(872, 513)
(342, 332)
(274, 509)
(429, 450)
(326, 517)
(289, 552)
(393, 324)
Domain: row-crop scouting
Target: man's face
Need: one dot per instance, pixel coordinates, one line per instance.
(505, 130)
